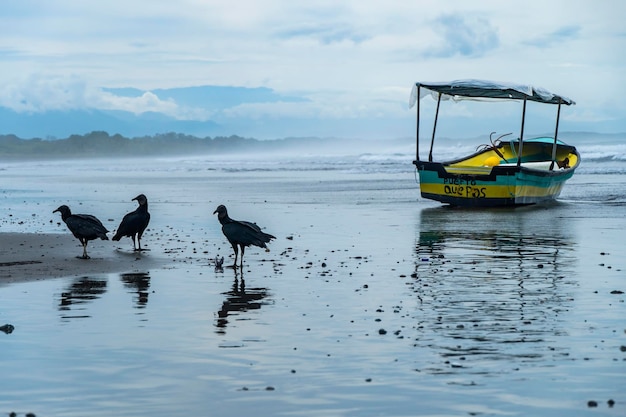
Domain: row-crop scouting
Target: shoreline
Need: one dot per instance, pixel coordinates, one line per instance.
(28, 257)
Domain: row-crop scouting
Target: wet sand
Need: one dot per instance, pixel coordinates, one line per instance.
(34, 256)
(370, 302)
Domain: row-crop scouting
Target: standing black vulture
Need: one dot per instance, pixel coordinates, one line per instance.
(134, 223)
(241, 233)
(84, 227)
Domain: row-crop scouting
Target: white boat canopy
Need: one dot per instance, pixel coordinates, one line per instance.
(484, 91)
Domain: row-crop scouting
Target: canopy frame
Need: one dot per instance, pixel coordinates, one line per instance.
(484, 91)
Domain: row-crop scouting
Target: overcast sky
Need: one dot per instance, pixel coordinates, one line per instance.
(348, 59)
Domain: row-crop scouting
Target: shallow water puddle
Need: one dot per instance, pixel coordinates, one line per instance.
(370, 303)
(448, 332)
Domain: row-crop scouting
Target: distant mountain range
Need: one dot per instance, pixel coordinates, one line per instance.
(210, 97)
(201, 111)
(57, 123)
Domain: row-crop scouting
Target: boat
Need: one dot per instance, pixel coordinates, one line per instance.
(503, 172)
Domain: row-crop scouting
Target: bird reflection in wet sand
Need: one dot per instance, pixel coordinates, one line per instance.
(81, 291)
(239, 299)
(138, 282)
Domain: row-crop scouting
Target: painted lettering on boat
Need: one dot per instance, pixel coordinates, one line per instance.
(463, 188)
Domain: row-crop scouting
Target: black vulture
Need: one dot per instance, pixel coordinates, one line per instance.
(133, 224)
(84, 227)
(241, 233)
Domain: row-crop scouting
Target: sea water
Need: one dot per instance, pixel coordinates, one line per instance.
(373, 301)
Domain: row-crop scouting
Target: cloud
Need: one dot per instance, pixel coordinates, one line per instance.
(463, 35)
(338, 55)
(147, 102)
(556, 37)
(38, 93)
(325, 34)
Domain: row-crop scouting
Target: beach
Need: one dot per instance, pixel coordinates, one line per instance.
(371, 300)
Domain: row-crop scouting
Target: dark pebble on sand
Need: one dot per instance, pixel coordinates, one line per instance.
(7, 328)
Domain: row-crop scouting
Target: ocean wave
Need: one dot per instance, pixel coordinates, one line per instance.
(595, 159)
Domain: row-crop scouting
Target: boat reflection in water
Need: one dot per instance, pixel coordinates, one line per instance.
(239, 299)
(491, 286)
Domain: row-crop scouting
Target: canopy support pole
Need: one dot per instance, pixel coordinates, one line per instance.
(417, 128)
(432, 140)
(556, 133)
(521, 135)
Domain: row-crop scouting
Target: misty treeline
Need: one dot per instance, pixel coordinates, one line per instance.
(100, 144)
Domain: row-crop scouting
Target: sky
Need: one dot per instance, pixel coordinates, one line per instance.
(346, 61)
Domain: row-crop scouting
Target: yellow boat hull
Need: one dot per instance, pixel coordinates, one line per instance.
(476, 181)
